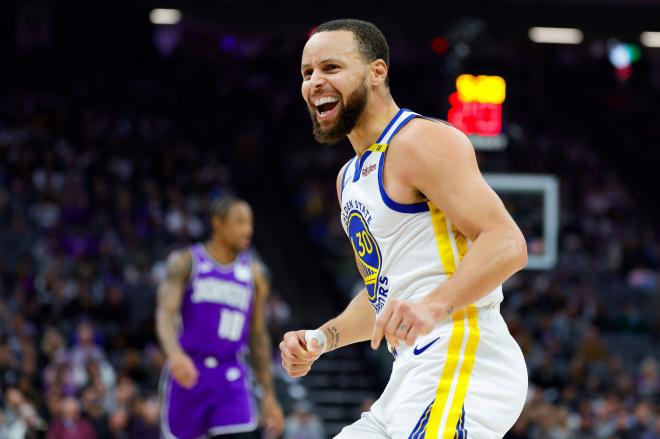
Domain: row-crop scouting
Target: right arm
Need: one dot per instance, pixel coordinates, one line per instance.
(353, 325)
(170, 294)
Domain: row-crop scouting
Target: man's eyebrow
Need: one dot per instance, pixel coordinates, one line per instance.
(323, 61)
(329, 60)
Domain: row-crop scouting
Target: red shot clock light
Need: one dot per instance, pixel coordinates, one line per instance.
(476, 105)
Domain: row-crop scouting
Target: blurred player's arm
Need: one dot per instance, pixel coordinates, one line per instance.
(261, 355)
(170, 294)
(260, 349)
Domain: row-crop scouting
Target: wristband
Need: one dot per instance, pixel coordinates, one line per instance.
(319, 336)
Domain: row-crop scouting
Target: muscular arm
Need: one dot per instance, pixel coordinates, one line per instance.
(439, 161)
(260, 348)
(170, 293)
(353, 325)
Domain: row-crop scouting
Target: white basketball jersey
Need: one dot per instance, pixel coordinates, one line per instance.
(402, 250)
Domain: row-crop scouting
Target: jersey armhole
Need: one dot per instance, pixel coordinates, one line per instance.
(420, 207)
(399, 207)
(257, 268)
(193, 264)
(347, 166)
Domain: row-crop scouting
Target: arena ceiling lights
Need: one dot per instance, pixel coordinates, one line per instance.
(556, 35)
(650, 39)
(165, 16)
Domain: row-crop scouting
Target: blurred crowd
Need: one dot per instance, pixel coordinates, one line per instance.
(94, 192)
(100, 176)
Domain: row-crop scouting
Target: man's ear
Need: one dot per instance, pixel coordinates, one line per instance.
(379, 72)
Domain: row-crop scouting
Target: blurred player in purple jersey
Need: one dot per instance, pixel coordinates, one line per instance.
(210, 310)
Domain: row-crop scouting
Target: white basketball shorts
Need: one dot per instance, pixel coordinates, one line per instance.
(466, 379)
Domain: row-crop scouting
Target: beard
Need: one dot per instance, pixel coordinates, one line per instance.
(346, 120)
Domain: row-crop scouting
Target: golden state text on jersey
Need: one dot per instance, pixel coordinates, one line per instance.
(367, 253)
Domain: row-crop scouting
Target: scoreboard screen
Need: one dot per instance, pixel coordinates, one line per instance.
(476, 109)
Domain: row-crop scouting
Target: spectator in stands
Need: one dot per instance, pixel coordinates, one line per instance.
(89, 361)
(653, 432)
(118, 421)
(303, 423)
(19, 418)
(93, 409)
(648, 381)
(69, 424)
(147, 420)
(8, 366)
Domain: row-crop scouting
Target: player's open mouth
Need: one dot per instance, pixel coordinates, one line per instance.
(326, 107)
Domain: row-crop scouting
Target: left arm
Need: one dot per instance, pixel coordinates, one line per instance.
(260, 355)
(439, 161)
(449, 176)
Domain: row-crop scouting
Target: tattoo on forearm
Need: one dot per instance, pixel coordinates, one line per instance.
(166, 329)
(170, 292)
(333, 340)
(260, 352)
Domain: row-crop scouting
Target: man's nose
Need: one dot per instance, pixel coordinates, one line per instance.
(317, 79)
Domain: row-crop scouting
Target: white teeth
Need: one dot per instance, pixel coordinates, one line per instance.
(324, 100)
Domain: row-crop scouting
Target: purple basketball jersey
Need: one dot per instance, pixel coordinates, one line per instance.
(216, 313)
(217, 306)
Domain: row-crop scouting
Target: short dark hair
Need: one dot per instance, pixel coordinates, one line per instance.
(372, 44)
(221, 206)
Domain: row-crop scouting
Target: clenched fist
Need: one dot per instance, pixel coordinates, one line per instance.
(297, 355)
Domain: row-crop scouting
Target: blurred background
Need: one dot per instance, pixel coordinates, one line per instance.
(120, 123)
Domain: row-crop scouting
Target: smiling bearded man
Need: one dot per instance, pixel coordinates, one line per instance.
(433, 244)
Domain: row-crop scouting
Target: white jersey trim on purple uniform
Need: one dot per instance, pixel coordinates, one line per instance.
(165, 402)
(224, 268)
(235, 428)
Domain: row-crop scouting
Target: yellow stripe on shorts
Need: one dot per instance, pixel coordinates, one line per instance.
(447, 377)
(447, 430)
(464, 375)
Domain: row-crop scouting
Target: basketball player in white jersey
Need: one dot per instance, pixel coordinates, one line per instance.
(433, 243)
